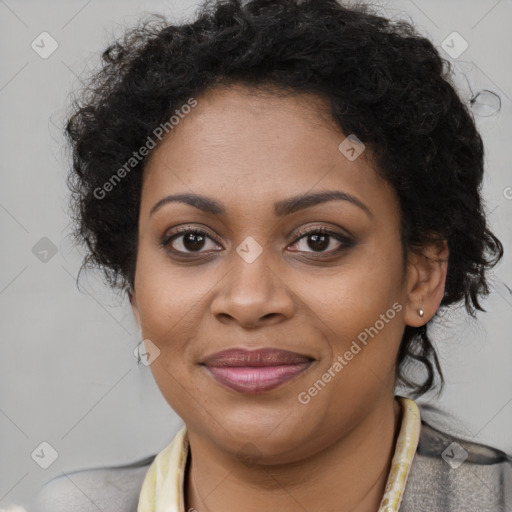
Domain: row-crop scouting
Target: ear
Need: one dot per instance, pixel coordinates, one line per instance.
(426, 277)
(135, 307)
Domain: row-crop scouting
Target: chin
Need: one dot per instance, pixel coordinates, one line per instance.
(269, 437)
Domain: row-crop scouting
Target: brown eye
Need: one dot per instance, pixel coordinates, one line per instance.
(190, 240)
(319, 239)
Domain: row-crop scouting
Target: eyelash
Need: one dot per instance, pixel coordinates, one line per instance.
(346, 242)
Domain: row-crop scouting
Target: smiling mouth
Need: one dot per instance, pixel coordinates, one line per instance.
(256, 371)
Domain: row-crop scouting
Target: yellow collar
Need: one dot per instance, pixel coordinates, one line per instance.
(162, 489)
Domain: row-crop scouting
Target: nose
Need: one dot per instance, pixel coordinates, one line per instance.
(252, 295)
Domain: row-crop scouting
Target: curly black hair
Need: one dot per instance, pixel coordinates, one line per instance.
(384, 82)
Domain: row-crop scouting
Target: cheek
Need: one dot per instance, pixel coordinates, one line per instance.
(358, 310)
(361, 290)
(168, 298)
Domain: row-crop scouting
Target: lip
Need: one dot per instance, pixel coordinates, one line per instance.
(255, 371)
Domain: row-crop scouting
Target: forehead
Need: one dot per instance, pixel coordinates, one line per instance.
(241, 143)
(227, 116)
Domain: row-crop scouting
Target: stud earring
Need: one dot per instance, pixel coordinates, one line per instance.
(421, 312)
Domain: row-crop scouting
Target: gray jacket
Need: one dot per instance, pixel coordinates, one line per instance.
(444, 477)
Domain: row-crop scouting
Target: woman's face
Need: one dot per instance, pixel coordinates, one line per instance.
(253, 279)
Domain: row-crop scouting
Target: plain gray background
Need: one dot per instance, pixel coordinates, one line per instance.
(68, 375)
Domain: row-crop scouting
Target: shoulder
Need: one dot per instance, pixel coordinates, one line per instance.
(450, 473)
(109, 489)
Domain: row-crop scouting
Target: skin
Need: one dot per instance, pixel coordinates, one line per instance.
(247, 151)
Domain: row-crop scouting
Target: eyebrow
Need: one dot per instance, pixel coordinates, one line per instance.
(281, 208)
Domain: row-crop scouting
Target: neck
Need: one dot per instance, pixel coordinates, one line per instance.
(350, 475)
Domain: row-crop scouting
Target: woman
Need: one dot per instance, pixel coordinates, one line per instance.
(289, 193)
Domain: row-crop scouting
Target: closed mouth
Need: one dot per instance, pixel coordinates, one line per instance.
(255, 371)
